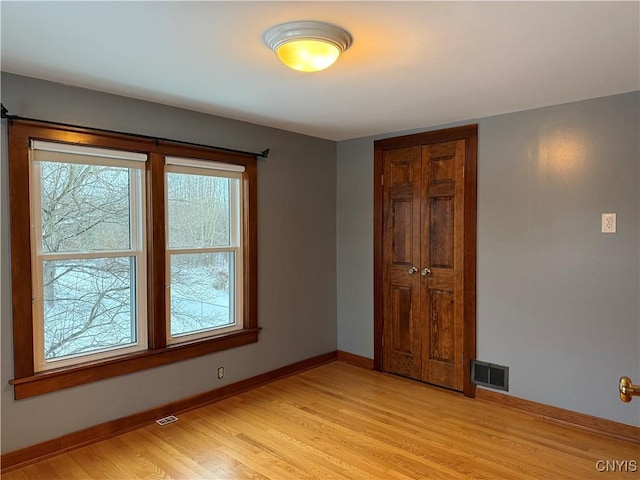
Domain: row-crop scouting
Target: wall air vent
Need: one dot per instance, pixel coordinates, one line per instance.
(490, 375)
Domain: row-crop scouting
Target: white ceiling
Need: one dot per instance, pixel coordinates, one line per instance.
(412, 64)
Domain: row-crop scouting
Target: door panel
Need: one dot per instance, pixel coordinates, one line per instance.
(401, 323)
(441, 243)
(403, 351)
(402, 220)
(442, 345)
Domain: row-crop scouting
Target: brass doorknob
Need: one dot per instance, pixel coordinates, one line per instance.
(628, 389)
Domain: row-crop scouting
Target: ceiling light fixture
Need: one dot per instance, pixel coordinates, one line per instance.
(308, 46)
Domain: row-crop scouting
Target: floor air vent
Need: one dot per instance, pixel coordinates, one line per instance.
(490, 375)
(170, 419)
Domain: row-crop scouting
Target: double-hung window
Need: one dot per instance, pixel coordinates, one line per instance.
(126, 253)
(204, 254)
(88, 253)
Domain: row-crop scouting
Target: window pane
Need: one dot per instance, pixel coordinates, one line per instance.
(88, 305)
(84, 207)
(201, 291)
(198, 210)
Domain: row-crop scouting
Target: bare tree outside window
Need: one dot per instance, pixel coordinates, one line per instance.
(88, 306)
(199, 218)
(89, 303)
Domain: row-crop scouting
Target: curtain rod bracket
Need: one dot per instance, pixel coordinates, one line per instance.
(4, 113)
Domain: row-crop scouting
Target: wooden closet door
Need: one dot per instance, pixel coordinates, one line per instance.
(403, 322)
(425, 267)
(441, 263)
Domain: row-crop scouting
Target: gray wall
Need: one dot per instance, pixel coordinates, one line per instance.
(296, 260)
(558, 301)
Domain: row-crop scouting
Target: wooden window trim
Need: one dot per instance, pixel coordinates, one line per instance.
(26, 381)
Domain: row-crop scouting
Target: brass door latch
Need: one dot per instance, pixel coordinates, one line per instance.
(628, 390)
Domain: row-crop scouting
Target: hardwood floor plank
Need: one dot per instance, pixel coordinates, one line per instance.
(353, 433)
(504, 428)
(239, 449)
(259, 432)
(162, 461)
(431, 452)
(340, 421)
(100, 460)
(67, 468)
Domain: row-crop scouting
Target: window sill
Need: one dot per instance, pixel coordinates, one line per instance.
(51, 381)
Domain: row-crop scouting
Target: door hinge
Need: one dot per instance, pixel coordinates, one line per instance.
(383, 341)
(382, 180)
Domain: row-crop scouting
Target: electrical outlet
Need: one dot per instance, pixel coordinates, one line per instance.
(608, 223)
(220, 373)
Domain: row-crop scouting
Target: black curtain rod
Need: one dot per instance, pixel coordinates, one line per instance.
(4, 113)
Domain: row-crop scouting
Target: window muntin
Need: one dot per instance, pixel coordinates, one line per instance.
(204, 249)
(88, 254)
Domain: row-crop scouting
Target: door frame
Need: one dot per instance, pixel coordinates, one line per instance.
(469, 133)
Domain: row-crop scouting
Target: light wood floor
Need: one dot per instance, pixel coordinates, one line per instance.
(340, 421)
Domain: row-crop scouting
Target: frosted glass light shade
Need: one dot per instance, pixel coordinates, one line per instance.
(308, 46)
(308, 55)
